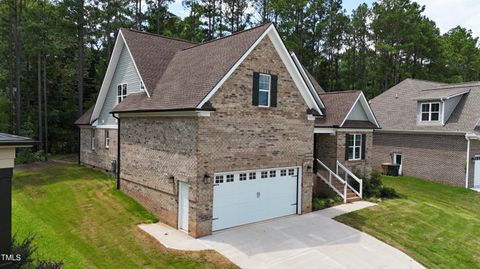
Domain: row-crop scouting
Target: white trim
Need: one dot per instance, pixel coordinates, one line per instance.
(107, 79)
(166, 114)
(413, 132)
(135, 65)
(366, 107)
(311, 117)
(305, 76)
(287, 60)
(299, 190)
(468, 161)
(325, 130)
(110, 126)
(354, 130)
(430, 104)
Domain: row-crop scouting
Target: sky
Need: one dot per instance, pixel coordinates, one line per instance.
(446, 13)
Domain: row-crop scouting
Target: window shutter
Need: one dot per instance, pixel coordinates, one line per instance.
(364, 137)
(346, 146)
(255, 89)
(273, 91)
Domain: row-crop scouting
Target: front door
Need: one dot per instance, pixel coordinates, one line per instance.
(476, 182)
(183, 206)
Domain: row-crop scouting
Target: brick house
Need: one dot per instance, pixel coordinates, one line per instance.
(218, 134)
(431, 129)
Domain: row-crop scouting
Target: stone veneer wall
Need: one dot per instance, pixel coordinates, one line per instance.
(439, 158)
(240, 136)
(154, 149)
(101, 157)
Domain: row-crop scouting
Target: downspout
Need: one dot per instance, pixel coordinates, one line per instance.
(468, 161)
(118, 151)
(79, 143)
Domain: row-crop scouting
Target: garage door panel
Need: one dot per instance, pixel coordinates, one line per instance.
(241, 198)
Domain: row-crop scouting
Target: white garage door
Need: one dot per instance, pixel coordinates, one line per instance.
(256, 195)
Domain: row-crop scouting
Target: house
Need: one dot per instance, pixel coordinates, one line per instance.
(431, 130)
(218, 134)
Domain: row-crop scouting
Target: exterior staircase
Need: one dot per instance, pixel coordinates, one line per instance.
(343, 182)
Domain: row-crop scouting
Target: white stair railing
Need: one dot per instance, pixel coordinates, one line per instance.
(347, 172)
(342, 193)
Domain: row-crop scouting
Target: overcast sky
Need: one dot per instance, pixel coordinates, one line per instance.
(446, 13)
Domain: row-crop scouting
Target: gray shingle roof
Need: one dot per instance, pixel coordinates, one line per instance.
(337, 106)
(396, 108)
(85, 118)
(9, 139)
(190, 74)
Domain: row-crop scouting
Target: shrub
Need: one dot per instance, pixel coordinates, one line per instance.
(325, 201)
(373, 187)
(28, 156)
(26, 249)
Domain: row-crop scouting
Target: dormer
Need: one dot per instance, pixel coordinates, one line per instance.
(434, 107)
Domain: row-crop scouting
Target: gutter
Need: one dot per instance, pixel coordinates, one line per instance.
(118, 150)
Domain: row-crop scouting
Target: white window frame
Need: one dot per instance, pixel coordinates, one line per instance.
(122, 95)
(107, 139)
(354, 147)
(268, 91)
(93, 135)
(429, 112)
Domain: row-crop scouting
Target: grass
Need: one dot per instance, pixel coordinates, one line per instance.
(437, 225)
(78, 217)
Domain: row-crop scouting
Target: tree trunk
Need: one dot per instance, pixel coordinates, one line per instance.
(18, 53)
(80, 40)
(39, 93)
(45, 106)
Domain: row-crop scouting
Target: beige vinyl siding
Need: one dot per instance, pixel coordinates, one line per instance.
(125, 72)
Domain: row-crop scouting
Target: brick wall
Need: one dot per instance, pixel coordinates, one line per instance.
(101, 156)
(153, 150)
(239, 136)
(439, 158)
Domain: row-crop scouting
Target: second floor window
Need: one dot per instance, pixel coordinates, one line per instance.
(121, 92)
(430, 112)
(264, 90)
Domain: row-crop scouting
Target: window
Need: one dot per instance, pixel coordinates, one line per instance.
(264, 90)
(230, 178)
(252, 176)
(93, 135)
(121, 92)
(354, 147)
(264, 174)
(107, 139)
(291, 172)
(283, 173)
(430, 112)
(243, 177)
(273, 173)
(218, 179)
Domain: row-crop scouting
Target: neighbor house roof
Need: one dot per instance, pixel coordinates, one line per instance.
(396, 108)
(189, 74)
(15, 140)
(337, 106)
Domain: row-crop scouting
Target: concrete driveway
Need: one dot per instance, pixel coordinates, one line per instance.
(308, 241)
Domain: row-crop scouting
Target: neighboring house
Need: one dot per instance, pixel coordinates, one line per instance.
(431, 130)
(214, 135)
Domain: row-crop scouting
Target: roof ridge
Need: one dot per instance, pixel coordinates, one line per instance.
(162, 36)
(224, 37)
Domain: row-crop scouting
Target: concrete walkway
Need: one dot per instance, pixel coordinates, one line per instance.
(312, 240)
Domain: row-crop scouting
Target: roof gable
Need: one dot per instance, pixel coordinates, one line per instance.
(397, 108)
(194, 74)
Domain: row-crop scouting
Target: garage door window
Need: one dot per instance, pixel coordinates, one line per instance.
(229, 178)
(243, 177)
(291, 172)
(283, 173)
(273, 173)
(264, 174)
(252, 176)
(219, 179)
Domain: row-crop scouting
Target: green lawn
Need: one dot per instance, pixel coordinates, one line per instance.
(78, 217)
(437, 225)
